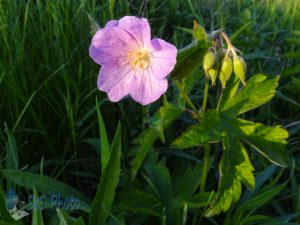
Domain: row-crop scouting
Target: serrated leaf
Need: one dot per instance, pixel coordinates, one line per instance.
(210, 130)
(164, 117)
(137, 201)
(230, 90)
(161, 180)
(201, 199)
(269, 141)
(189, 59)
(105, 195)
(235, 169)
(258, 90)
(187, 184)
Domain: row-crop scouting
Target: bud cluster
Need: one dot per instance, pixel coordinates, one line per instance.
(222, 62)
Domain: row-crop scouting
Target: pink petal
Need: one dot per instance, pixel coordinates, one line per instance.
(112, 23)
(146, 89)
(163, 58)
(110, 46)
(115, 81)
(138, 28)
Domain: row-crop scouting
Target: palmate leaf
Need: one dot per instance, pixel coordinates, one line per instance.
(259, 90)
(210, 130)
(166, 115)
(235, 168)
(268, 141)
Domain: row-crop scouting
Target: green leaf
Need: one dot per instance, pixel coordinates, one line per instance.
(258, 90)
(41, 183)
(201, 199)
(105, 195)
(3, 210)
(235, 169)
(144, 144)
(93, 24)
(230, 90)
(103, 137)
(269, 141)
(65, 219)
(237, 33)
(164, 117)
(189, 59)
(161, 180)
(37, 216)
(137, 201)
(292, 70)
(188, 184)
(210, 130)
(199, 33)
(7, 223)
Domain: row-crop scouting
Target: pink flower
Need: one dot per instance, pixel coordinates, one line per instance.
(131, 63)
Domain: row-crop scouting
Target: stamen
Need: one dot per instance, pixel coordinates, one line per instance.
(139, 59)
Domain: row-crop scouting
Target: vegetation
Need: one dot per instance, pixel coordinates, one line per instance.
(125, 162)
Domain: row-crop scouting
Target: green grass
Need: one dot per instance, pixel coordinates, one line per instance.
(48, 81)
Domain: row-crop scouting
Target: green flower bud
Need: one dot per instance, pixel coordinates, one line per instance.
(226, 70)
(199, 33)
(209, 61)
(213, 73)
(239, 67)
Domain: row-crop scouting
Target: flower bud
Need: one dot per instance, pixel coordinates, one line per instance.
(209, 61)
(213, 73)
(199, 33)
(226, 70)
(239, 67)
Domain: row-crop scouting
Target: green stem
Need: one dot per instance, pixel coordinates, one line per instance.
(205, 96)
(185, 96)
(145, 116)
(205, 167)
(220, 100)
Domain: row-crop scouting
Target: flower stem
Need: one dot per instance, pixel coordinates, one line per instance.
(205, 96)
(185, 96)
(205, 167)
(220, 99)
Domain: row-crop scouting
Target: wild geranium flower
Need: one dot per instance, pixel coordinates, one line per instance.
(131, 63)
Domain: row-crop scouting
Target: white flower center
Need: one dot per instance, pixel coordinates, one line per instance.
(139, 59)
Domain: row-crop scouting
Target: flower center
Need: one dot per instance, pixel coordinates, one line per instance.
(139, 59)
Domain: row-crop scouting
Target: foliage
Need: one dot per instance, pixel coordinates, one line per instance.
(54, 139)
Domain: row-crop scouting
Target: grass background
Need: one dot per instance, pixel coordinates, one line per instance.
(48, 81)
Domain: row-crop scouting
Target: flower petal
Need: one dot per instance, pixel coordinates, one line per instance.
(146, 89)
(115, 81)
(112, 23)
(138, 28)
(163, 58)
(110, 46)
